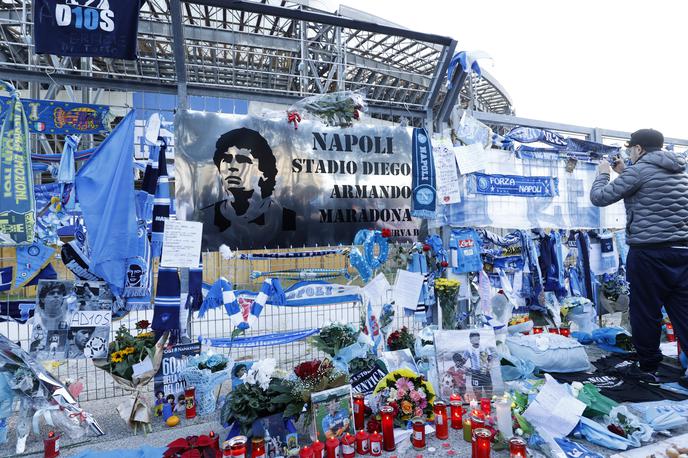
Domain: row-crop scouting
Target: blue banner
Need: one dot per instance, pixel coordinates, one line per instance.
(423, 182)
(532, 135)
(265, 340)
(17, 204)
(514, 185)
(62, 118)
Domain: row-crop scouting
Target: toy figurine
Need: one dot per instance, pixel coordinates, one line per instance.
(159, 401)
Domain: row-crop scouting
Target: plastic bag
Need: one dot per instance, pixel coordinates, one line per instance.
(471, 131)
(620, 416)
(597, 404)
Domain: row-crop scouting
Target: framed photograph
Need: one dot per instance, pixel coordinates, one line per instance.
(468, 363)
(332, 412)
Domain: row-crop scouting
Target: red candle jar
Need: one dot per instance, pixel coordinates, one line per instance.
(566, 332)
(517, 447)
(216, 440)
(456, 414)
(359, 411)
(258, 448)
(51, 445)
(306, 452)
(375, 444)
(190, 401)
(348, 446)
(671, 337)
(237, 446)
(538, 330)
(387, 414)
(441, 423)
(226, 449)
(486, 405)
(482, 438)
(318, 448)
(362, 439)
(418, 436)
(477, 419)
(332, 448)
(454, 397)
(554, 330)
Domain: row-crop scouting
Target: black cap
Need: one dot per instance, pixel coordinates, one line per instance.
(647, 138)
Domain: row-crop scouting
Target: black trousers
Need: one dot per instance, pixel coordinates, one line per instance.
(658, 277)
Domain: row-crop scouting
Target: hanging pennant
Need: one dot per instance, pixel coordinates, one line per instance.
(31, 259)
(63, 118)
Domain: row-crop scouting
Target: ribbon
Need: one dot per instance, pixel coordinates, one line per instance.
(424, 197)
(513, 185)
(44, 412)
(293, 117)
(265, 340)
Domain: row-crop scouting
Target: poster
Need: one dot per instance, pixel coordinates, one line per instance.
(71, 320)
(257, 182)
(468, 363)
(167, 382)
(332, 412)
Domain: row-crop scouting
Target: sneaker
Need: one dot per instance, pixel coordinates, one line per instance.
(634, 372)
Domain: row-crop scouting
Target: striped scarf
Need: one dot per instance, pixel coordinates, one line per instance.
(167, 301)
(161, 205)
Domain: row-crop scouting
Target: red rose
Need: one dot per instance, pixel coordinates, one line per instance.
(444, 264)
(308, 370)
(386, 233)
(426, 247)
(143, 324)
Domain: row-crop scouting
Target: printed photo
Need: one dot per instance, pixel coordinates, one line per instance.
(51, 319)
(399, 359)
(468, 363)
(239, 370)
(332, 412)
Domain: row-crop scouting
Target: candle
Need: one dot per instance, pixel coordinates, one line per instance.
(306, 452)
(482, 443)
(486, 405)
(441, 423)
(504, 421)
(537, 330)
(474, 404)
(455, 397)
(318, 448)
(332, 448)
(216, 440)
(359, 411)
(190, 401)
(362, 439)
(418, 436)
(226, 449)
(237, 446)
(456, 414)
(566, 332)
(553, 330)
(671, 337)
(387, 413)
(258, 448)
(348, 450)
(51, 445)
(375, 444)
(467, 430)
(517, 448)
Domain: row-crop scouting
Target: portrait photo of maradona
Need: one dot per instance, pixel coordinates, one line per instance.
(247, 214)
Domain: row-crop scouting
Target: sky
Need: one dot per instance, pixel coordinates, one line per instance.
(611, 64)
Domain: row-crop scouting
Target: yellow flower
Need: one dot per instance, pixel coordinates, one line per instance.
(406, 407)
(128, 350)
(145, 335)
(117, 357)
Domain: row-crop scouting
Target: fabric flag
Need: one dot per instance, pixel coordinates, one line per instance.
(196, 286)
(105, 191)
(64, 118)
(17, 203)
(6, 274)
(31, 259)
(161, 206)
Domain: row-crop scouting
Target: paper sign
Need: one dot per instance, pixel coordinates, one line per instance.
(554, 409)
(90, 318)
(376, 290)
(448, 190)
(143, 367)
(181, 244)
(612, 320)
(471, 158)
(407, 289)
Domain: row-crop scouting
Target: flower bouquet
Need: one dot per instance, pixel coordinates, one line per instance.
(205, 372)
(345, 345)
(409, 394)
(338, 109)
(127, 354)
(402, 339)
(445, 292)
(194, 447)
(614, 294)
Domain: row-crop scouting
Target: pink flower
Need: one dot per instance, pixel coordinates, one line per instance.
(418, 412)
(401, 392)
(423, 404)
(422, 393)
(404, 384)
(415, 396)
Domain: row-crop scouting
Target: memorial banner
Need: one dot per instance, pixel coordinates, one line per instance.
(63, 118)
(259, 183)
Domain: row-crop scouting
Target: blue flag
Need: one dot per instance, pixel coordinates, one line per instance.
(31, 259)
(105, 191)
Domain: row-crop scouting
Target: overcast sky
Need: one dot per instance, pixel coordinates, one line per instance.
(607, 63)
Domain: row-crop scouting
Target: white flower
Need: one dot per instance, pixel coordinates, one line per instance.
(260, 373)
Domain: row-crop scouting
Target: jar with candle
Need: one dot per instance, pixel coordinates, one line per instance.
(538, 329)
(190, 401)
(318, 448)
(215, 440)
(51, 445)
(441, 423)
(482, 444)
(332, 448)
(257, 447)
(467, 429)
(387, 414)
(306, 452)
(553, 330)
(456, 408)
(348, 446)
(418, 435)
(226, 449)
(375, 444)
(237, 446)
(505, 423)
(486, 406)
(517, 447)
(362, 439)
(359, 411)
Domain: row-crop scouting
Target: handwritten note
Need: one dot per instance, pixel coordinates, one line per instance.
(181, 246)
(407, 289)
(448, 190)
(471, 158)
(376, 290)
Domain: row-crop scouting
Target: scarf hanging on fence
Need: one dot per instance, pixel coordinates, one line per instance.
(196, 286)
(292, 255)
(161, 207)
(265, 340)
(302, 274)
(167, 301)
(513, 185)
(424, 197)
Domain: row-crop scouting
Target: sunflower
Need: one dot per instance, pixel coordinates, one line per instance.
(117, 357)
(145, 335)
(128, 351)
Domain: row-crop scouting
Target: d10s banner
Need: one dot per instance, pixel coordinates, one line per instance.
(257, 182)
(87, 28)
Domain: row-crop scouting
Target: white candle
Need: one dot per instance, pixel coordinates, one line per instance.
(504, 420)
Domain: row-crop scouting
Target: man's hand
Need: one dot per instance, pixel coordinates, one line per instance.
(619, 166)
(604, 167)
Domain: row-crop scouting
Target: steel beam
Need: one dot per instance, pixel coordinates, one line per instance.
(438, 77)
(458, 80)
(179, 51)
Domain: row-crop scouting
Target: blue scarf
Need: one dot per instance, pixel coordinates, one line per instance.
(513, 185)
(423, 180)
(161, 207)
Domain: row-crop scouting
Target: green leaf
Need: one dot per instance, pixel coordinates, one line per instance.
(284, 398)
(293, 410)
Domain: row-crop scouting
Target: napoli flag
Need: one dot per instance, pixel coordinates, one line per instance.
(105, 191)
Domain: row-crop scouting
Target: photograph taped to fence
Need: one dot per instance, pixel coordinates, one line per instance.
(72, 320)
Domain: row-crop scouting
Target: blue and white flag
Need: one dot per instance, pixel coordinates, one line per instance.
(63, 118)
(424, 196)
(105, 191)
(31, 259)
(513, 185)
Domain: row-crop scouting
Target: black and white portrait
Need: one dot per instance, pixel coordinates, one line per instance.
(51, 319)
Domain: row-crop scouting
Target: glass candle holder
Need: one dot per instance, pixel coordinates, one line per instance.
(504, 419)
(483, 438)
(418, 435)
(517, 447)
(359, 411)
(306, 452)
(486, 405)
(387, 414)
(258, 448)
(362, 439)
(467, 429)
(375, 444)
(332, 448)
(348, 446)
(318, 448)
(456, 414)
(441, 423)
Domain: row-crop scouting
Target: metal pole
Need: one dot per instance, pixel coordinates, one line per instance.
(179, 53)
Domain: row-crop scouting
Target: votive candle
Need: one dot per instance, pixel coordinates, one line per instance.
(359, 411)
(418, 435)
(486, 405)
(318, 448)
(482, 443)
(332, 448)
(505, 423)
(467, 430)
(306, 452)
(348, 446)
(441, 423)
(375, 444)
(517, 447)
(387, 414)
(362, 439)
(456, 414)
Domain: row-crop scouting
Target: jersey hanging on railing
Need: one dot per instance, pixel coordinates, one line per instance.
(86, 28)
